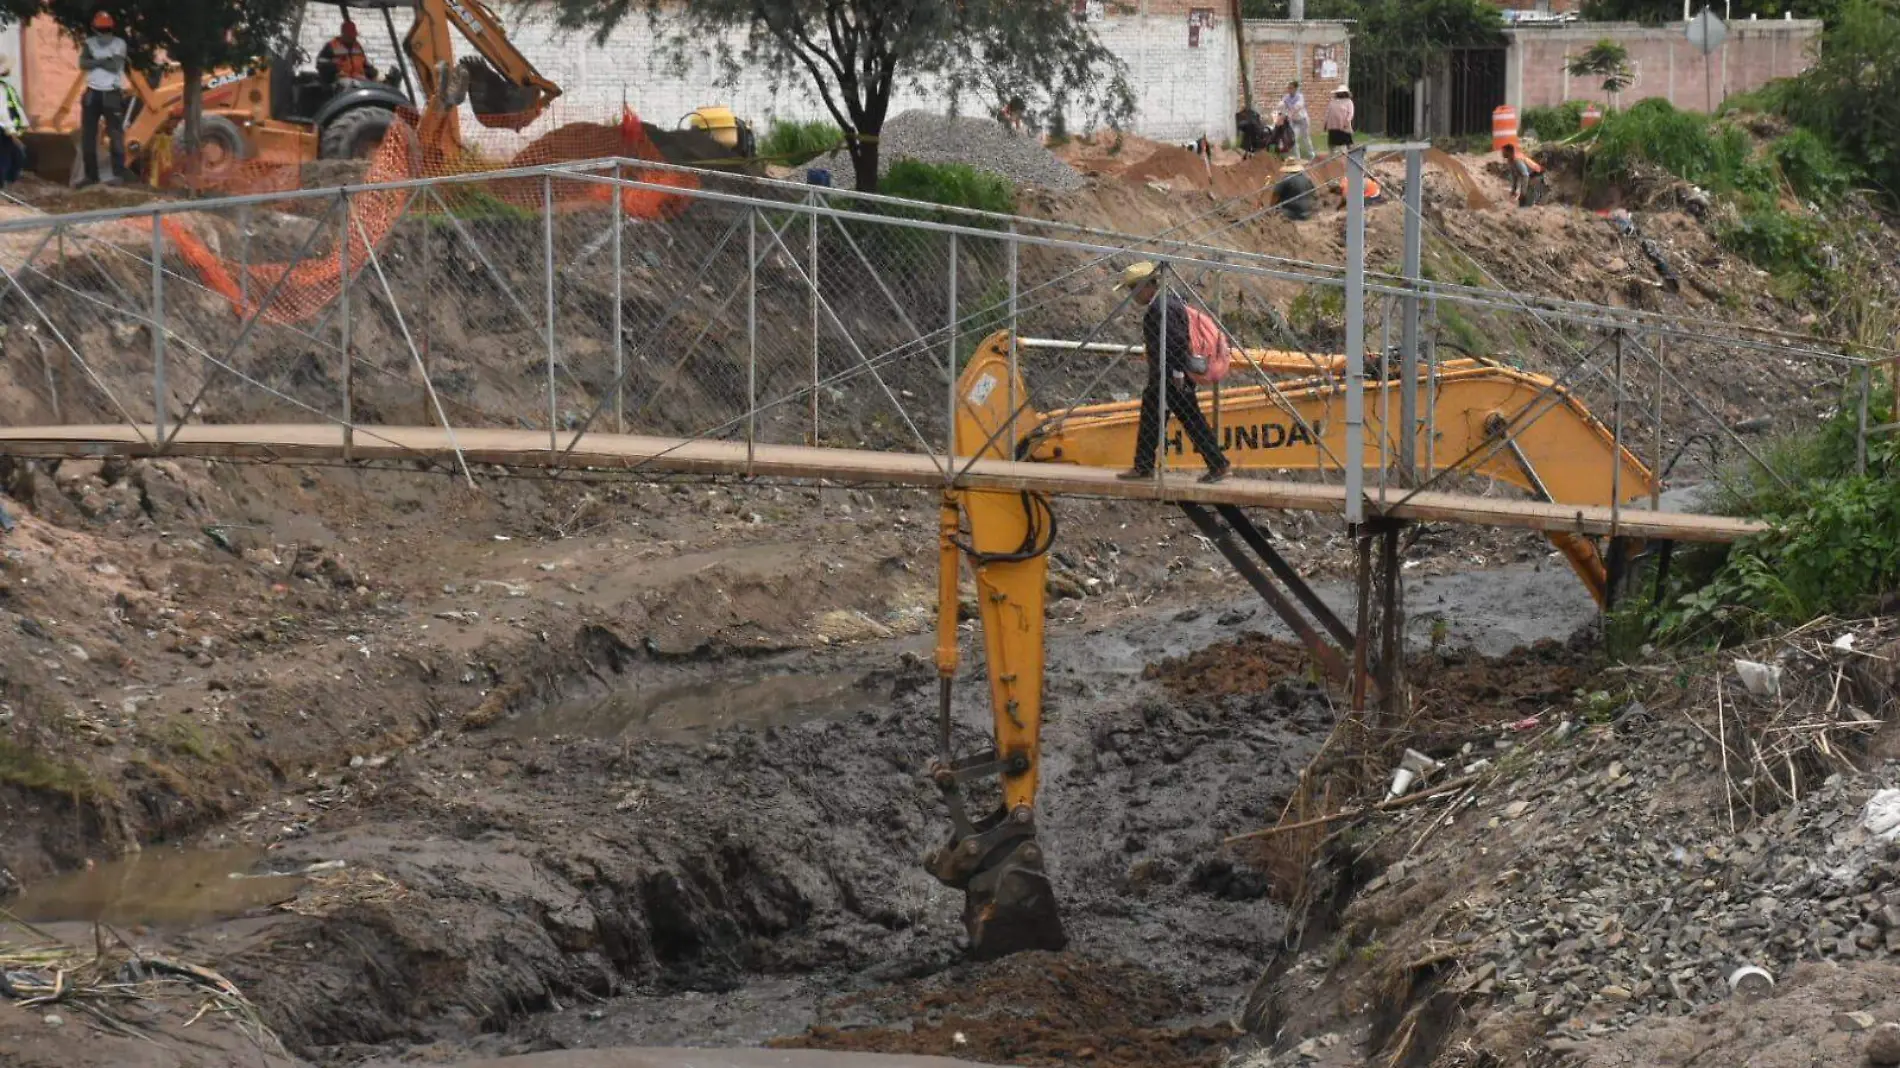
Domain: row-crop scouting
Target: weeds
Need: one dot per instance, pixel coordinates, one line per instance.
(956, 185)
(1554, 124)
(795, 144)
(1835, 547)
(23, 767)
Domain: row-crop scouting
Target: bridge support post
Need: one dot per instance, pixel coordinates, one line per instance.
(1408, 331)
(1379, 642)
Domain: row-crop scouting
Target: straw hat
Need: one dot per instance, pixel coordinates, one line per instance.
(1136, 274)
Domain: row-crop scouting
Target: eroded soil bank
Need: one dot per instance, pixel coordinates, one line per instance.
(643, 849)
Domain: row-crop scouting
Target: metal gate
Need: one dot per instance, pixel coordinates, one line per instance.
(1477, 87)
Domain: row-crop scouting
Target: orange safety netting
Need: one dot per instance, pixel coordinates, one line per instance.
(418, 147)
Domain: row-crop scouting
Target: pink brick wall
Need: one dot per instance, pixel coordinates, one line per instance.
(1665, 64)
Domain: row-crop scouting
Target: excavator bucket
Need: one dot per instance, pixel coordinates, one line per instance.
(1011, 907)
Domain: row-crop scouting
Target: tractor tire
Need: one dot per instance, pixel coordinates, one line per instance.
(224, 146)
(355, 134)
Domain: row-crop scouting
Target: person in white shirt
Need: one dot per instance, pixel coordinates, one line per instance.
(1293, 106)
(102, 55)
(13, 125)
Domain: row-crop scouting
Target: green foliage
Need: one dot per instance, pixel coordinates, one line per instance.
(1849, 94)
(1778, 242)
(795, 144)
(1836, 545)
(1607, 60)
(1812, 167)
(1554, 124)
(854, 54)
(956, 185)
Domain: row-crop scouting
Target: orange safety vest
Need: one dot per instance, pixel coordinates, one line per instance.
(349, 59)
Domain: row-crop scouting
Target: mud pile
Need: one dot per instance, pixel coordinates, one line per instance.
(1032, 1009)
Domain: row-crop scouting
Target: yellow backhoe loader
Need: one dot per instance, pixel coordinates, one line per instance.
(1509, 425)
(277, 113)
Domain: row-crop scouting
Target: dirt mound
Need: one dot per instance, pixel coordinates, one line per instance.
(1033, 1009)
(1250, 663)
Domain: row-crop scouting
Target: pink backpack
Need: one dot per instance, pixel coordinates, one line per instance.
(1208, 346)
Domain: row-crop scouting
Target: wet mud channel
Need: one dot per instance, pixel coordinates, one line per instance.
(729, 853)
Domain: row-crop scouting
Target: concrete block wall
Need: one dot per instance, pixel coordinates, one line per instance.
(1665, 64)
(1183, 90)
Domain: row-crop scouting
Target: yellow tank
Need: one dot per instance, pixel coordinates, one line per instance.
(720, 122)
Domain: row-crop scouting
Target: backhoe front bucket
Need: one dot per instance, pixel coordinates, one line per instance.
(1011, 907)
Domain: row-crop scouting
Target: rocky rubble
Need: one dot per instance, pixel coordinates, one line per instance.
(1621, 910)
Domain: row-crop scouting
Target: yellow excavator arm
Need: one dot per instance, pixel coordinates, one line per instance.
(1489, 420)
(521, 92)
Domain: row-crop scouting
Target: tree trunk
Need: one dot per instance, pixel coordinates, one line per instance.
(194, 124)
(864, 161)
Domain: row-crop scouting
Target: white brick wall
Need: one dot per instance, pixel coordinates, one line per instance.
(1182, 92)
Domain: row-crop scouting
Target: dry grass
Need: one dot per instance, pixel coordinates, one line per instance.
(108, 981)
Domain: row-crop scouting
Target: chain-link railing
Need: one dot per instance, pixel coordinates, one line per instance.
(629, 297)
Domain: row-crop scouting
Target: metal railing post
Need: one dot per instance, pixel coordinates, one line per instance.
(547, 269)
(1860, 433)
(1162, 370)
(1355, 336)
(620, 341)
(1616, 450)
(1655, 472)
(812, 200)
(158, 329)
(1408, 333)
(751, 335)
(950, 369)
(343, 323)
(1015, 345)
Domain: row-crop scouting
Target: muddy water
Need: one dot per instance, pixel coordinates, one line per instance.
(679, 712)
(165, 887)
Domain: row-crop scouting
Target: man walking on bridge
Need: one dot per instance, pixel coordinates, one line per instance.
(1177, 343)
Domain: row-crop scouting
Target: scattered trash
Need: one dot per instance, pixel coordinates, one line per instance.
(1762, 680)
(1528, 723)
(1853, 1021)
(1749, 982)
(1413, 767)
(324, 865)
(1881, 817)
(1845, 643)
(6, 520)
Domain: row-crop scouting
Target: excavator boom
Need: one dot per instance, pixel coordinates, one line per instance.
(1489, 420)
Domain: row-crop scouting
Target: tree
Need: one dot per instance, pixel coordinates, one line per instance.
(200, 36)
(1852, 93)
(1607, 60)
(854, 53)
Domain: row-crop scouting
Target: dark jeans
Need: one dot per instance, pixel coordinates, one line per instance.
(108, 104)
(1183, 405)
(12, 160)
(1532, 192)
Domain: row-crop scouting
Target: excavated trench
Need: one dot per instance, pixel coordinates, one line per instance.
(643, 850)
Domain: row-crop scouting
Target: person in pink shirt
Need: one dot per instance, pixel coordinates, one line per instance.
(1339, 119)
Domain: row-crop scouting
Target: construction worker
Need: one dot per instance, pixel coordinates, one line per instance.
(1299, 123)
(1527, 177)
(12, 127)
(102, 55)
(1339, 116)
(1144, 279)
(343, 56)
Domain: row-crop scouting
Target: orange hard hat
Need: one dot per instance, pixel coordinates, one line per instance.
(103, 21)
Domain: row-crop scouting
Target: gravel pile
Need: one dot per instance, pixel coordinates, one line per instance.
(982, 143)
(1622, 915)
